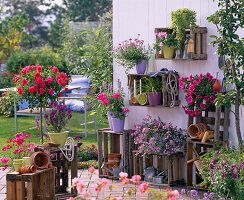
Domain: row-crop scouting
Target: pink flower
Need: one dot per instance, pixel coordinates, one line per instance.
(125, 181)
(84, 194)
(60, 81)
(201, 76)
(60, 94)
(70, 198)
(190, 112)
(213, 97)
(105, 102)
(116, 95)
(31, 89)
(199, 97)
(24, 81)
(5, 160)
(50, 91)
(42, 91)
(126, 110)
(161, 44)
(189, 99)
(37, 75)
(202, 106)
(120, 198)
(39, 68)
(75, 181)
(192, 88)
(97, 187)
(182, 85)
(4, 148)
(80, 186)
(206, 98)
(49, 79)
(136, 179)
(215, 90)
(175, 193)
(102, 96)
(197, 112)
(143, 187)
(123, 175)
(209, 76)
(190, 77)
(18, 151)
(91, 170)
(198, 81)
(55, 69)
(5, 167)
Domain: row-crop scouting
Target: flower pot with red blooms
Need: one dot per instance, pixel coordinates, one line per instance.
(110, 120)
(118, 120)
(38, 85)
(57, 117)
(199, 93)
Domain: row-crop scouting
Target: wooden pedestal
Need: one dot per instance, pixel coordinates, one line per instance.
(115, 141)
(31, 186)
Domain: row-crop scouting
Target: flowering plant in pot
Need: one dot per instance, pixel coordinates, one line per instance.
(166, 42)
(15, 149)
(156, 137)
(132, 52)
(153, 87)
(113, 103)
(200, 93)
(57, 118)
(39, 85)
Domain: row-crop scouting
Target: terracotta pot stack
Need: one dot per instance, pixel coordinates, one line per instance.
(113, 162)
(200, 131)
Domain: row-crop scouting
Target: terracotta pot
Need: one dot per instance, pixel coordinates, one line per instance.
(50, 165)
(40, 159)
(114, 158)
(217, 85)
(195, 130)
(27, 169)
(133, 100)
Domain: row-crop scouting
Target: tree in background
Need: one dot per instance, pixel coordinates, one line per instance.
(228, 20)
(35, 14)
(12, 35)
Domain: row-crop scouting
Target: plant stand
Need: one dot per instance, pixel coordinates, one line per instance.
(172, 164)
(29, 186)
(116, 139)
(62, 167)
(218, 120)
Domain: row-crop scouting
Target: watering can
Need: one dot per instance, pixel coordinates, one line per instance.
(149, 173)
(158, 179)
(115, 172)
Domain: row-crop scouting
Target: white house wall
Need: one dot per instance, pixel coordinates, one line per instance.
(131, 17)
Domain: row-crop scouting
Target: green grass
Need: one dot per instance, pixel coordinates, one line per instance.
(27, 124)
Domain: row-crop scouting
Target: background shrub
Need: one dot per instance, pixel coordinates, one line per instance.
(6, 107)
(88, 153)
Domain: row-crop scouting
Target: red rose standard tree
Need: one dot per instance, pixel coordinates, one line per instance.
(39, 85)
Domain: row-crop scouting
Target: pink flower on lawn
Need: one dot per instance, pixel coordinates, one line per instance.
(116, 95)
(206, 98)
(136, 179)
(5, 167)
(143, 187)
(39, 68)
(105, 102)
(5, 160)
(91, 170)
(126, 110)
(4, 148)
(24, 81)
(49, 79)
(102, 96)
(75, 181)
(18, 151)
(37, 75)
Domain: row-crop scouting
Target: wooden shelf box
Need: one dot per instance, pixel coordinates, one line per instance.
(218, 119)
(168, 100)
(199, 36)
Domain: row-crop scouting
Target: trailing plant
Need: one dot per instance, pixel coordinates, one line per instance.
(229, 20)
(223, 172)
(199, 91)
(182, 19)
(131, 52)
(152, 84)
(156, 137)
(163, 38)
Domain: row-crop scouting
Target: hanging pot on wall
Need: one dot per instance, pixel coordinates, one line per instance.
(154, 98)
(141, 67)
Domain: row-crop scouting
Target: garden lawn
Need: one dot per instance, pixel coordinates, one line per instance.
(27, 125)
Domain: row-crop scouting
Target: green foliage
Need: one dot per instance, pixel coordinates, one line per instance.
(6, 107)
(131, 52)
(223, 172)
(80, 10)
(182, 19)
(228, 20)
(152, 84)
(88, 153)
(43, 56)
(12, 34)
(6, 80)
(95, 59)
(88, 164)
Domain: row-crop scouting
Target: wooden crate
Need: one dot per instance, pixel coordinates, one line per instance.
(115, 138)
(218, 120)
(31, 186)
(168, 100)
(61, 165)
(172, 163)
(199, 36)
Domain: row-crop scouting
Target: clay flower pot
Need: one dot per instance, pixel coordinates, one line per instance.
(195, 130)
(40, 159)
(27, 169)
(17, 163)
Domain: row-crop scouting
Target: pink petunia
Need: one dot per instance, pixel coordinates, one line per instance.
(49, 79)
(116, 95)
(24, 81)
(91, 170)
(136, 179)
(143, 187)
(125, 110)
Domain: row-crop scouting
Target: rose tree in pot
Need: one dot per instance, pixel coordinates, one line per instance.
(132, 52)
(59, 114)
(39, 85)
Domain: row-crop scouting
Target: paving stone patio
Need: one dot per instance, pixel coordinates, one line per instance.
(84, 177)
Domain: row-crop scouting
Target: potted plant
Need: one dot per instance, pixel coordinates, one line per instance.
(153, 88)
(156, 137)
(132, 52)
(167, 43)
(200, 93)
(39, 85)
(181, 20)
(58, 116)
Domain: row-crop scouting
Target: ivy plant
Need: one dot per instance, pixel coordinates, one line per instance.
(228, 20)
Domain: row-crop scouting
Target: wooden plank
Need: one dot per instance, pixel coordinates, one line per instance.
(74, 169)
(105, 146)
(35, 183)
(149, 161)
(126, 150)
(169, 164)
(20, 190)
(100, 151)
(42, 185)
(10, 190)
(226, 124)
(140, 165)
(52, 181)
(65, 181)
(131, 148)
(135, 158)
(217, 124)
(116, 144)
(189, 166)
(164, 90)
(160, 163)
(190, 120)
(30, 188)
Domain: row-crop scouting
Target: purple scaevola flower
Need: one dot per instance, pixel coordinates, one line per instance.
(79, 144)
(78, 137)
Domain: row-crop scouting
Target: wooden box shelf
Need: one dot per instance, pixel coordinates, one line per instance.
(125, 150)
(199, 37)
(218, 120)
(170, 95)
(31, 186)
(173, 165)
